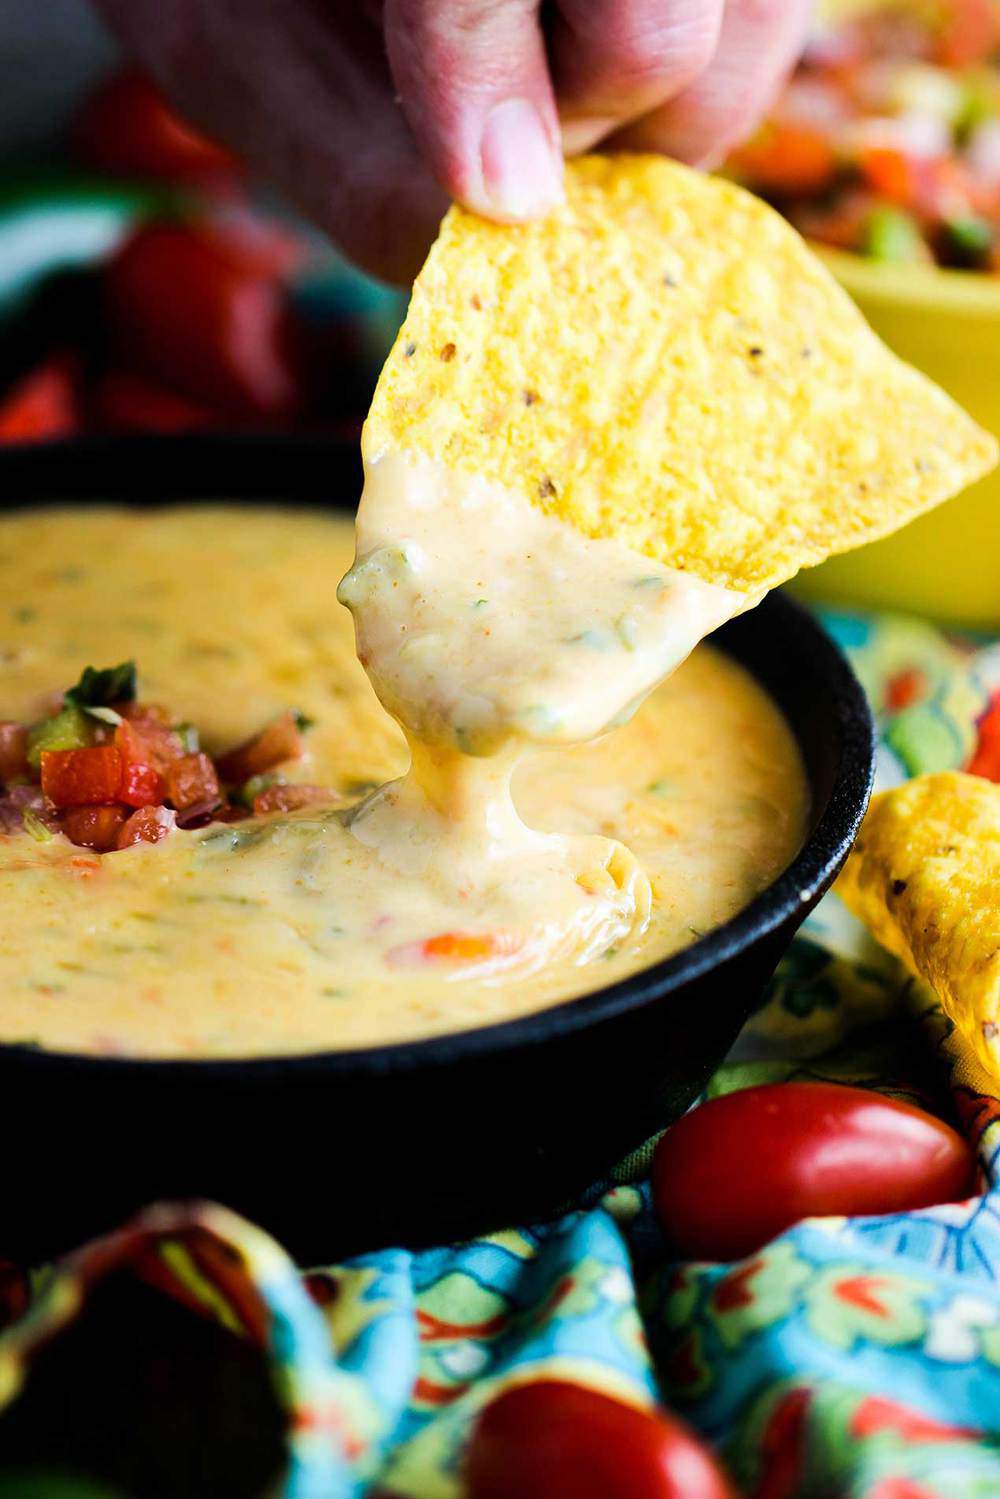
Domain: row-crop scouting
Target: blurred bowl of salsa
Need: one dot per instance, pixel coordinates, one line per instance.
(884, 150)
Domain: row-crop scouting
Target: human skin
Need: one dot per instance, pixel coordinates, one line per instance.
(371, 115)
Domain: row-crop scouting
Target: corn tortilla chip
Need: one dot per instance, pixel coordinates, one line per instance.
(924, 877)
(663, 360)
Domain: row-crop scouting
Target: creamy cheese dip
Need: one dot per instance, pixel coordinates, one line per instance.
(501, 639)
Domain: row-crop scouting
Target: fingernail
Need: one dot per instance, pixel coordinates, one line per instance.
(522, 172)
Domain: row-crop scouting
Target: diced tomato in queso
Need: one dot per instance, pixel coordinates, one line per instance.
(148, 825)
(94, 827)
(110, 773)
(886, 141)
(13, 751)
(162, 742)
(284, 798)
(141, 783)
(278, 742)
(80, 777)
(191, 780)
(460, 945)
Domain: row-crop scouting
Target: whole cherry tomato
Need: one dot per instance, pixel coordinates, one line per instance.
(731, 1174)
(128, 128)
(553, 1440)
(195, 308)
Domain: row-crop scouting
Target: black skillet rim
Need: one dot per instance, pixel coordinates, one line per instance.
(46, 473)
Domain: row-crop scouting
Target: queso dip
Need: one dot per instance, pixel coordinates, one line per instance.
(557, 829)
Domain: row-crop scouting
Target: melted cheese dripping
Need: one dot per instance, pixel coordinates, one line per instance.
(486, 626)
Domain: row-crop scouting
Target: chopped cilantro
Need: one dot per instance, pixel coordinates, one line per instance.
(99, 688)
(70, 728)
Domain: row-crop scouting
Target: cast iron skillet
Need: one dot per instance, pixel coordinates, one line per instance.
(415, 1143)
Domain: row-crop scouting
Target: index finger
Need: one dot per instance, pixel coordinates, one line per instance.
(474, 84)
(615, 60)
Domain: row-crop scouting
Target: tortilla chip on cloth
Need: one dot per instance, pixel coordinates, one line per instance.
(663, 360)
(924, 876)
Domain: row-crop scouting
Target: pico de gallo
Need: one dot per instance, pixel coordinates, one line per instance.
(108, 770)
(886, 141)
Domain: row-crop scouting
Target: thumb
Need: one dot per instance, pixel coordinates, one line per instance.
(474, 84)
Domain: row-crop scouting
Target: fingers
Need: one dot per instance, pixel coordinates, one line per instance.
(303, 94)
(474, 84)
(615, 60)
(758, 44)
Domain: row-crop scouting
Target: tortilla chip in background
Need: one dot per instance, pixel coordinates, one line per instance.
(663, 360)
(924, 877)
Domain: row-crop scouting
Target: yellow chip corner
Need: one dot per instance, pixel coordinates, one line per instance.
(924, 876)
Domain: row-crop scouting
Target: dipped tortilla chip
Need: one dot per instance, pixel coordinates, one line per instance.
(924, 877)
(662, 360)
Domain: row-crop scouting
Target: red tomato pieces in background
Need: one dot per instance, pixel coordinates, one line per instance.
(986, 756)
(42, 405)
(78, 777)
(788, 157)
(148, 825)
(126, 402)
(276, 743)
(892, 174)
(734, 1172)
(254, 245)
(971, 31)
(13, 750)
(905, 689)
(93, 827)
(554, 1440)
(192, 780)
(934, 187)
(187, 309)
(128, 128)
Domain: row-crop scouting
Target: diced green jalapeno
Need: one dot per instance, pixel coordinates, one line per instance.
(70, 728)
(250, 789)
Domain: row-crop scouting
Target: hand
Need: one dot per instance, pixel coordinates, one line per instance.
(371, 115)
